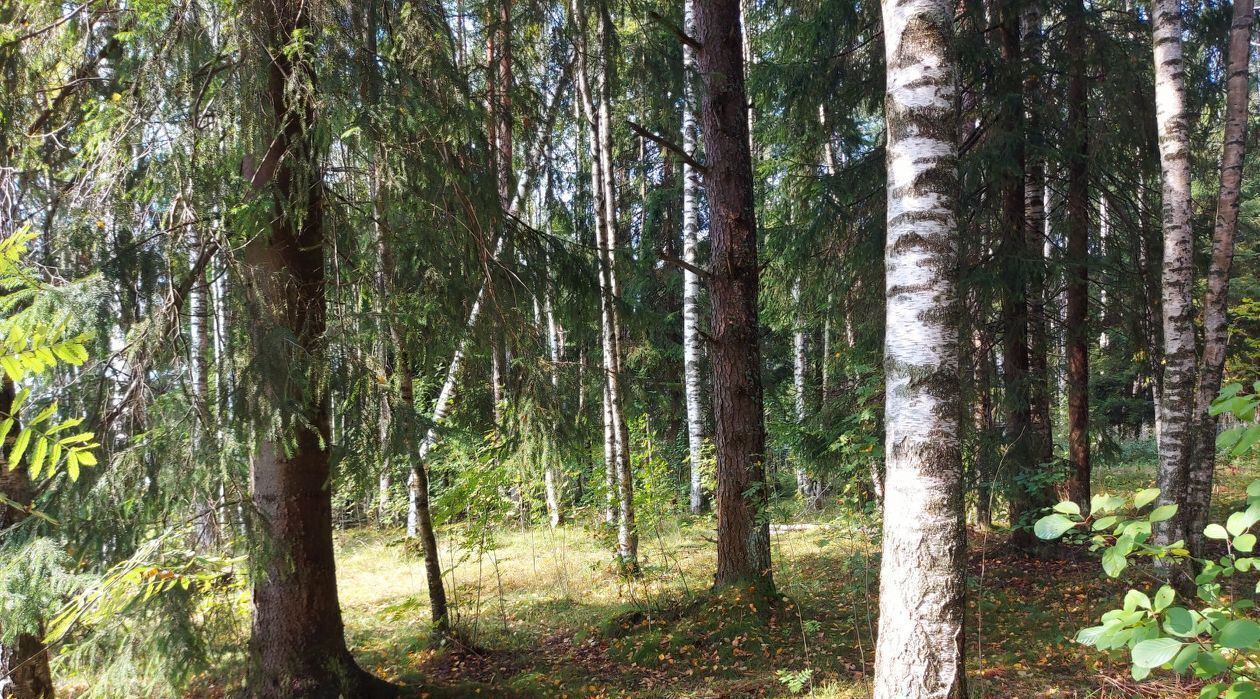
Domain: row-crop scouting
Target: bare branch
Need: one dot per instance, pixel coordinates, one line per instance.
(667, 145)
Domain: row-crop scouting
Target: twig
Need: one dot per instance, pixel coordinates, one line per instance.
(667, 145)
(679, 262)
(675, 30)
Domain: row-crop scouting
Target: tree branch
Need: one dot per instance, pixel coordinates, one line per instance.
(667, 145)
(683, 264)
(675, 30)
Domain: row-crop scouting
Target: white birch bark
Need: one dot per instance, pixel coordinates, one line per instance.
(692, 349)
(1176, 413)
(919, 653)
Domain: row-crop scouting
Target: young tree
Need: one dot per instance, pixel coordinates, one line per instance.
(1216, 302)
(1176, 397)
(297, 644)
(739, 425)
(919, 652)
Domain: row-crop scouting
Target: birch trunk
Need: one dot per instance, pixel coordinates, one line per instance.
(692, 349)
(1176, 414)
(1216, 301)
(919, 652)
(442, 406)
(627, 534)
(743, 555)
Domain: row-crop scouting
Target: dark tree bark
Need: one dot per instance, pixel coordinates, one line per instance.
(739, 425)
(1216, 301)
(24, 671)
(1017, 403)
(297, 645)
(1076, 321)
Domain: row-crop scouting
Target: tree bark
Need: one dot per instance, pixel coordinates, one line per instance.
(919, 651)
(597, 109)
(1216, 300)
(1076, 314)
(297, 645)
(1016, 378)
(24, 670)
(1176, 414)
(1035, 238)
(692, 348)
(743, 530)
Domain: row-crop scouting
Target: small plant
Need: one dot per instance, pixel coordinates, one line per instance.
(1211, 637)
(795, 680)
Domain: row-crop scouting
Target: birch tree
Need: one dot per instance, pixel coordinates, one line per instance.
(1216, 301)
(692, 348)
(1176, 396)
(919, 652)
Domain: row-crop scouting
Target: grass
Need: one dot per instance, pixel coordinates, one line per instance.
(550, 616)
(545, 613)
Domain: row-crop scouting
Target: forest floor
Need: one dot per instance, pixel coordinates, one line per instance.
(543, 613)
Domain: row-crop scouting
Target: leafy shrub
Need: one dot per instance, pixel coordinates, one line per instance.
(1211, 637)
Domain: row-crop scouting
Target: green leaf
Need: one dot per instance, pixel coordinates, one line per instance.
(1245, 543)
(1249, 437)
(1215, 531)
(1104, 522)
(1253, 488)
(1212, 662)
(1239, 633)
(1052, 526)
(1163, 512)
(1156, 651)
(1134, 599)
(1178, 621)
(1164, 597)
(19, 447)
(1144, 497)
(1186, 656)
(1211, 691)
(1114, 562)
(1236, 523)
(1068, 507)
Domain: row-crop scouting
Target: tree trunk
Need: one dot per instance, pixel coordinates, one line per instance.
(1216, 300)
(1176, 413)
(743, 530)
(597, 110)
(807, 486)
(297, 645)
(1076, 315)
(24, 671)
(1016, 379)
(1034, 241)
(919, 651)
(692, 348)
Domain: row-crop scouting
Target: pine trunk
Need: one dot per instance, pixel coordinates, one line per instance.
(1176, 414)
(1076, 320)
(297, 645)
(919, 651)
(24, 671)
(743, 554)
(1216, 301)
